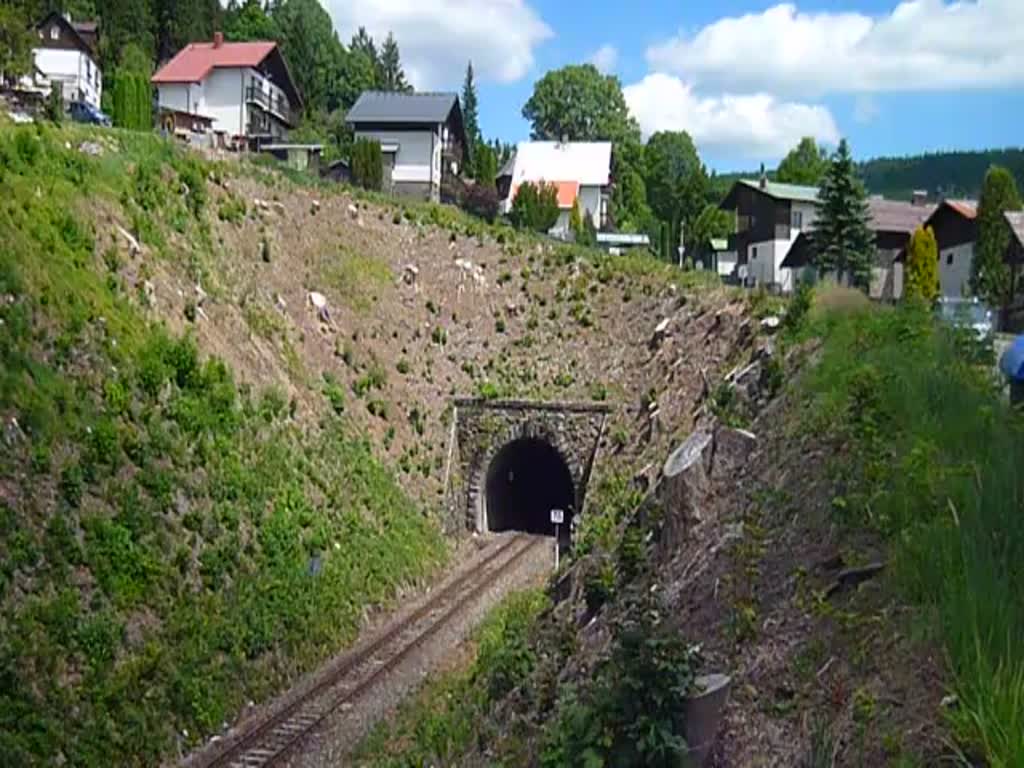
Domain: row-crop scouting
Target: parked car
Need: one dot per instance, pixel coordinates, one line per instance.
(969, 314)
(83, 112)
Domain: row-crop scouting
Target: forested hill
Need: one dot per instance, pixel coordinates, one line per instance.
(943, 174)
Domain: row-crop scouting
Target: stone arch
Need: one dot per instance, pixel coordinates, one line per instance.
(526, 431)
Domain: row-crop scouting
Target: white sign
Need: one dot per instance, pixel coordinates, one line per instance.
(557, 516)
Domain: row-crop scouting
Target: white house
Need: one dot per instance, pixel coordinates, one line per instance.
(769, 218)
(244, 88)
(579, 169)
(65, 55)
(421, 135)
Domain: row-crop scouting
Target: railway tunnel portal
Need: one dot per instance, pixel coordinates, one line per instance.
(513, 461)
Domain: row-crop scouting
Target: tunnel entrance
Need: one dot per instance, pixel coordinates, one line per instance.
(526, 480)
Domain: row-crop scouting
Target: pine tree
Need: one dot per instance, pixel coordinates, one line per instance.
(844, 242)
(922, 266)
(990, 276)
(391, 73)
(471, 120)
(486, 166)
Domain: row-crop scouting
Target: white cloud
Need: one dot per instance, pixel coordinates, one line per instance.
(755, 126)
(438, 37)
(605, 58)
(920, 45)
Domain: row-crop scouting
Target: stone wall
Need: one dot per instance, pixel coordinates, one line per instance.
(484, 427)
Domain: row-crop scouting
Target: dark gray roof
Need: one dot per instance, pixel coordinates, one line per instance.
(384, 107)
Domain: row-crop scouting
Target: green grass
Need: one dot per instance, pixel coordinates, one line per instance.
(171, 544)
(438, 724)
(935, 465)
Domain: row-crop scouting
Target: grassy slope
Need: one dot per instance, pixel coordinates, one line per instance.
(171, 544)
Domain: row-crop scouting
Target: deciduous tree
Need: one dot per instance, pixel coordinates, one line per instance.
(578, 103)
(248, 21)
(805, 164)
(535, 206)
(922, 266)
(675, 179)
(843, 240)
(16, 42)
(990, 275)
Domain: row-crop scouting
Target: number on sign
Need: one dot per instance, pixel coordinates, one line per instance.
(557, 516)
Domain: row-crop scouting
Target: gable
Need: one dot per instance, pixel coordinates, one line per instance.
(56, 32)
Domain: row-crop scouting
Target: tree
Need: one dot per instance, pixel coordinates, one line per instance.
(712, 223)
(805, 164)
(392, 76)
(367, 164)
(578, 103)
(576, 220)
(16, 42)
(55, 103)
(990, 275)
(922, 266)
(248, 21)
(535, 206)
(843, 240)
(481, 200)
(316, 58)
(675, 179)
(471, 120)
(363, 43)
(486, 166)
(629, 211)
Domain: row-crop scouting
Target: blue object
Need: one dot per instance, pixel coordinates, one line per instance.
(83, 112)
(1012, 362)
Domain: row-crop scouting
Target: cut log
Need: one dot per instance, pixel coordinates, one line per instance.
(684, 488)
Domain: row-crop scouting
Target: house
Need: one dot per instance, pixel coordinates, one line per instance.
(893, 222)
(421, 135)
(66, 55)
(245, 88)
(769, 218)
(955, 223)
(715, 256)
(579, 169)
(299, 157)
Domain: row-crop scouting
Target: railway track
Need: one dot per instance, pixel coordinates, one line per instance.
(272, 740)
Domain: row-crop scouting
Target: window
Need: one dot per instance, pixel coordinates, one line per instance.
(798, 220)
(88, 70)
(55, 32)
(949, 258)
(753, 253)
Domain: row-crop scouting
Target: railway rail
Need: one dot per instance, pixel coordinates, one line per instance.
(274, 739)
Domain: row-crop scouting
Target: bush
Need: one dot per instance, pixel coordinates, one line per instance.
(368, 164)
(535, 207)
(55, 104)
(481, 201)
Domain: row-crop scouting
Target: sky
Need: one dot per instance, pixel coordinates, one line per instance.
(746, 78)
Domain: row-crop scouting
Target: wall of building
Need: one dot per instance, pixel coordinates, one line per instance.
(413, 161)
(79, 74)
(955, 270)
(764, 263)
(184, 97)
(590, 200)
(223, 99)
(726, 263)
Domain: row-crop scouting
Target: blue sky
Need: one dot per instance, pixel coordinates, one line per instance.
(746, 78)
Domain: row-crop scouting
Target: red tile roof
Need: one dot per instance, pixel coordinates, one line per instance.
(194, 62)
(567, 191)
(966, 208)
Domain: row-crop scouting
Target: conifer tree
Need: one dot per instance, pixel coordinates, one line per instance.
(843, 240)
(922, 266)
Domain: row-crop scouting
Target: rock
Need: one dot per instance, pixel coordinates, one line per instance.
(409, 274)
(314, 208)
(280, 302)
(353, 211)
(90, 148)
(149, 292)
(201, 295)
(319, 303)
(660, 332)
(12, 432)
(771, 323)
(133, 245)
(684, 486)
(732, 449)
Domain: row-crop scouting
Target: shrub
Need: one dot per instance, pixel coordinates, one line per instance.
(535, 207)
(368, 164)
(55, 104)
(481, 201)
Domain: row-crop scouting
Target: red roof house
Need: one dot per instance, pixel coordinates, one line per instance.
(245, 88)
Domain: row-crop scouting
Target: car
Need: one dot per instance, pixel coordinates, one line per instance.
(967, 313)
(83, 112)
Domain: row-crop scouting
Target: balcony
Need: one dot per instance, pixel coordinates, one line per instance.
(271, 103)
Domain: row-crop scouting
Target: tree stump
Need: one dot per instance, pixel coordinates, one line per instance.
(684, 487)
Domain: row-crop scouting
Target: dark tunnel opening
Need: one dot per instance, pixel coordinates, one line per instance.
(526, 480)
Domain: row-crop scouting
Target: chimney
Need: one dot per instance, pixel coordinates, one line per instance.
(919, 197)
(218, 39)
